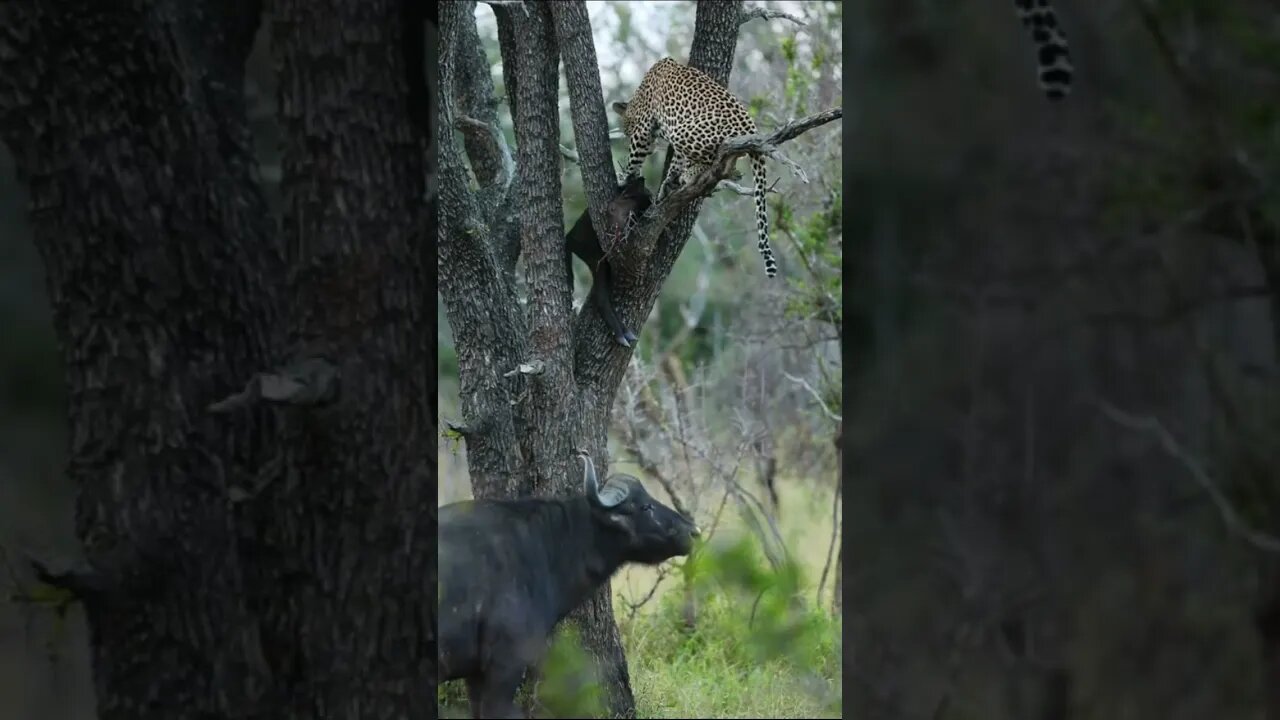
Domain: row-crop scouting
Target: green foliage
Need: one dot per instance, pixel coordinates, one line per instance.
(796, 86)
(789, 50)
(569, 687)
(817, 292)
(819, 57)
(755, 649)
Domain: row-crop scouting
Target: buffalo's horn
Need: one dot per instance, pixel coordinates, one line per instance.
(613, 492)
(590, 485)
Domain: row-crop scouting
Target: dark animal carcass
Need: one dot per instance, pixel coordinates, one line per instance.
(632, 199)
(510, 570)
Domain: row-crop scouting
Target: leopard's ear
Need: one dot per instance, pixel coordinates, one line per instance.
(620, 108)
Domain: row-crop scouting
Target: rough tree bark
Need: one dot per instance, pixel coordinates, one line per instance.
(208, 596)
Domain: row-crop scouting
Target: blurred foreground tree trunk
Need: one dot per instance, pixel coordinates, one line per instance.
(266, 557)
(1227, 153)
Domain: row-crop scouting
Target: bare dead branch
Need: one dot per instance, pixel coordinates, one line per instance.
(634, 607)
(650, 467)
(821, 403)
(763, 14)
(740, 190)
(1235, 524)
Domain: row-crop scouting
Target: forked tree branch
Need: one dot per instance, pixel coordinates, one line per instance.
(586, 106)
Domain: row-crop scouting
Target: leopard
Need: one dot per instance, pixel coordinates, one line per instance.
(695, 114)
(1053, 55)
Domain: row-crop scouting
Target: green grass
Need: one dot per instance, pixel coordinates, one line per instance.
(726, 668)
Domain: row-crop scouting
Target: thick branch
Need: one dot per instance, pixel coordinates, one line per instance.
(548, 371)
(480, 302)
(474, 98)
(749, 15)
(506, 231)
(511, 72)
(487, 135)
(586, 104)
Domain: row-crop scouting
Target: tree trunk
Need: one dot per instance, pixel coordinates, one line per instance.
(349, 508)
(535, 385)
(1267, 622)
(170, 290)
(142, 208)
(837, 594)
(1267, 608)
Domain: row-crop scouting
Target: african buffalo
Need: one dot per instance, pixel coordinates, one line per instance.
(510, 570)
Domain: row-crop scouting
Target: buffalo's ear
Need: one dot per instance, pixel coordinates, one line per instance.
(620, 108)
(621, 521)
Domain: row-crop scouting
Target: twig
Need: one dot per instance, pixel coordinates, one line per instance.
(715, 519)
(795, 167)
(821, 403)
(647, 464)
(633, 608)
(1151, 425)
(740, 190)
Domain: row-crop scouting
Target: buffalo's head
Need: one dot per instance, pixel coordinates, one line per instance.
(649, 531)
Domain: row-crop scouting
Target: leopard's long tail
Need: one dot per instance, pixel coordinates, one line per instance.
(1053, 56)
(762, 217)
